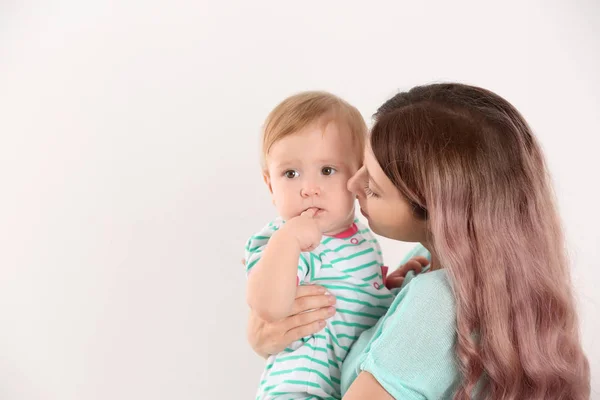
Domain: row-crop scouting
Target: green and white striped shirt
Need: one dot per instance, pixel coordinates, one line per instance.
(350, 266)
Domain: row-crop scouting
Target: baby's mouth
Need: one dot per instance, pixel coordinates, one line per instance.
(317, 210)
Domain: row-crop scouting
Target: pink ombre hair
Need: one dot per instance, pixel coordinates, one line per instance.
(469, 164)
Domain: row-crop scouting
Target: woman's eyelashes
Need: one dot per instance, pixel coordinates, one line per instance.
(369, 192)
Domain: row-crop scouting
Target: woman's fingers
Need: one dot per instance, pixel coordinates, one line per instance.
(309, 297)
(309, 290)
(306, 303)
(307, 323)
(308, 317)
(304, 330)
(271, 338)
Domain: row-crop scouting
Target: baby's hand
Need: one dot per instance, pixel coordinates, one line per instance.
(305, 230)
(396, 278)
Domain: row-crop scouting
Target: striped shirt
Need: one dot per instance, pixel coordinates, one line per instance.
(350, 266)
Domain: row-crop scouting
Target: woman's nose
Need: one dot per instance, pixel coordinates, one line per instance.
(353, 181)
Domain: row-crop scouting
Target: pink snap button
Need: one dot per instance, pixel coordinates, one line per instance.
(376, 285)
(354, 241)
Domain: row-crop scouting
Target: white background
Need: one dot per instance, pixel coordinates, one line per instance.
(129, 165)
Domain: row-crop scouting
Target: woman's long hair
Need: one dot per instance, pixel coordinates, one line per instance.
(468, 162)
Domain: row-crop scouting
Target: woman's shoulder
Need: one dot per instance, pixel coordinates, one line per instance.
(427, 291)
(437, 281)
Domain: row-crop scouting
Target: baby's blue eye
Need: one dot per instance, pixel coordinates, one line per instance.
(291, 174)
(328, 171)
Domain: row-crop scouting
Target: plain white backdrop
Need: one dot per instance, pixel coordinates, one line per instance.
(129, 165)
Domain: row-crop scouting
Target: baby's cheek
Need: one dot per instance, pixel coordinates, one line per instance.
(286, 206)
(344, 188)
(345, 198)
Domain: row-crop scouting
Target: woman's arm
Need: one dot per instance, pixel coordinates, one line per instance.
(312, 306)
(366, 387)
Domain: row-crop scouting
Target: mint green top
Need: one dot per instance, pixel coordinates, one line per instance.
(410, 351)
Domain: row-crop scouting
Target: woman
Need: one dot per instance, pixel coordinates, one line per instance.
(457, 169)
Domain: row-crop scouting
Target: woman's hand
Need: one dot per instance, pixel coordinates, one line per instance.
(311, 308)
(396, 278)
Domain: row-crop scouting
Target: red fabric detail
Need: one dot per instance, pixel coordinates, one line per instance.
(384, 271)
(347, 233)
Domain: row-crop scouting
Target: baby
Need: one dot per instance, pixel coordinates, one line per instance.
(312, 144)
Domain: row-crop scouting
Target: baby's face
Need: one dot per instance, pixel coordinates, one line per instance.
(311, 168)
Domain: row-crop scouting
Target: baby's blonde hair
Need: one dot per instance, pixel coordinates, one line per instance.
(302, 109)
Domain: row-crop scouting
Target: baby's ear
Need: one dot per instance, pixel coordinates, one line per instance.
(267, 180)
